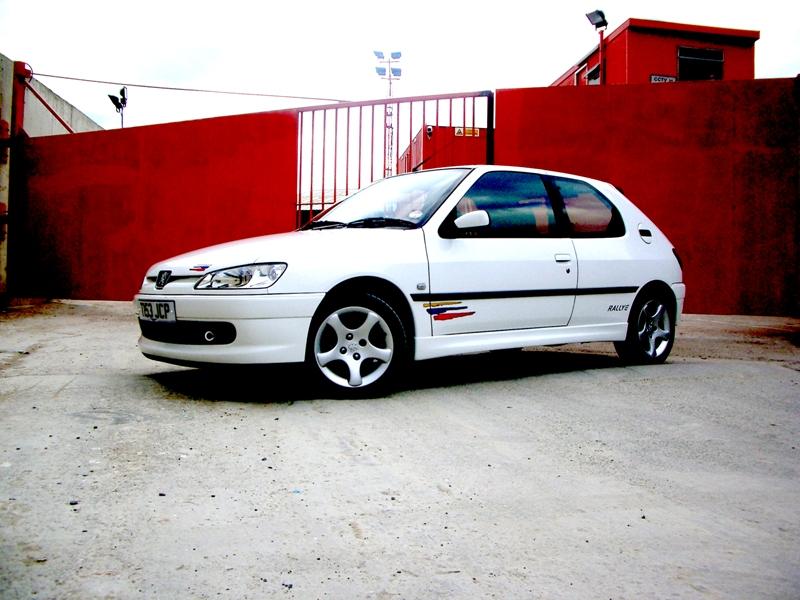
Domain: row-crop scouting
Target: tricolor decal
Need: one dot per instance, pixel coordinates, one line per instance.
(446, 311)
(199, 268)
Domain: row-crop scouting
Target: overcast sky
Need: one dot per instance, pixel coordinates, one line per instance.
(324, 48)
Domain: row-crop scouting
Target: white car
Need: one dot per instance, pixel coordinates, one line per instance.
(424, 265)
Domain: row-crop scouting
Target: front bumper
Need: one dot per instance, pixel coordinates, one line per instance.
(269, 328)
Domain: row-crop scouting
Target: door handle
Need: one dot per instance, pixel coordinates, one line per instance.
(563, 258)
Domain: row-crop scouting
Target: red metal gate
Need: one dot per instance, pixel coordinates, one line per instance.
(344, 147)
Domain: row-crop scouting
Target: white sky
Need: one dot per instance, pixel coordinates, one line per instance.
(324, 48)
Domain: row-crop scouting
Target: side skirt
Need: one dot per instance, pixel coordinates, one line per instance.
(448, 345)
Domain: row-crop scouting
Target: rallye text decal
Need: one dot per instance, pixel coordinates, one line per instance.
(445, 311)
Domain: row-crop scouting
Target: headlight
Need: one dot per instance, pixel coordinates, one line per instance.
(248, 277)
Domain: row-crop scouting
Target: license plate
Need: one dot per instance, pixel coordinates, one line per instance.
(162, 310)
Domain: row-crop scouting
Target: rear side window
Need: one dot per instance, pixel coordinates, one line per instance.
(517, 204)
(590, 214)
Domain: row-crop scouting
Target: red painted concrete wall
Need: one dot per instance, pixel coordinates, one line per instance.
(94, 210)
(715, 164)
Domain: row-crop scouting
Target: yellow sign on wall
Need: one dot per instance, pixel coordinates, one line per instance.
(467, 132)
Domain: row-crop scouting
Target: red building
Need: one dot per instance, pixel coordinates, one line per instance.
(434, 147)
(638, 51)
(642, 51)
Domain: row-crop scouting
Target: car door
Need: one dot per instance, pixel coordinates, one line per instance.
(517, 272)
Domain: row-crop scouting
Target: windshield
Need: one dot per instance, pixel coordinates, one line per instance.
(403, 200)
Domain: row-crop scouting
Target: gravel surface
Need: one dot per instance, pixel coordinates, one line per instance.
(546, 473)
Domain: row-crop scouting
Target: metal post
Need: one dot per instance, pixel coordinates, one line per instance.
(602, 65)
(489, 128)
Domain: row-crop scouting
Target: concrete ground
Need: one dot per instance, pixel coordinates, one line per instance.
(548, 473)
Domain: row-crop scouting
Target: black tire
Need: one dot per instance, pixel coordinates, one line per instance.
(651, 331)
(357, 345)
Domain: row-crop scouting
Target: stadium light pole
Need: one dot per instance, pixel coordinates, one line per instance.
(389, 73)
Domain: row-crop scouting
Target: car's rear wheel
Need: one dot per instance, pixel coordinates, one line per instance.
(357, 345)
(651, 331)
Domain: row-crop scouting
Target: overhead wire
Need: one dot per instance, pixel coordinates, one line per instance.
(182, 89)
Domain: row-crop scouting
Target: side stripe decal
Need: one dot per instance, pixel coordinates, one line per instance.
(463, 296)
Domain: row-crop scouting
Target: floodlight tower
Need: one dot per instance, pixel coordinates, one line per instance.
(389, 73)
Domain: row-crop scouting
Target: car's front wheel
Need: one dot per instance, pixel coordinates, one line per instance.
(651, 331)
(357, 345)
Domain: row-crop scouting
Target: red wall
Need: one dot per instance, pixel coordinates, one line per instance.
(92, 211)
(714, 164)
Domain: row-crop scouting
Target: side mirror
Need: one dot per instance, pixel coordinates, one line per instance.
(472, 220)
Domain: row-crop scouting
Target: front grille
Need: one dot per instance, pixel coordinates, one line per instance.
(199, 333)
(171, 278)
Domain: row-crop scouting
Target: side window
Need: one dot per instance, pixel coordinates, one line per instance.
(590, 214)
(517, 204)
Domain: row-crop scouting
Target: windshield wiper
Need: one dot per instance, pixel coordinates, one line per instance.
(382, 222)
(324, 225)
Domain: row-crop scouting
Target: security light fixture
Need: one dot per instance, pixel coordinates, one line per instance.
(120, 103)
(598, 19)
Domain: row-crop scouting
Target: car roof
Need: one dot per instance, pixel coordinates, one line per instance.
(484, 168)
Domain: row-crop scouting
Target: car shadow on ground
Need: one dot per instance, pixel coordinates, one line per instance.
(506, 365)
(291, 383)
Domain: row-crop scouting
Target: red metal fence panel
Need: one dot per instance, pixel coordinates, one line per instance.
(344, 147)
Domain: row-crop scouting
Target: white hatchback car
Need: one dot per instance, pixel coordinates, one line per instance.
(424, 265)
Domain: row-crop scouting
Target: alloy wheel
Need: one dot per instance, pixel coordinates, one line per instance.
(353, 346)
(654, 329)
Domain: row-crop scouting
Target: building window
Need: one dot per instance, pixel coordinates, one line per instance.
(699, 64)
(586, 76)
(579, 76)
(593, 75)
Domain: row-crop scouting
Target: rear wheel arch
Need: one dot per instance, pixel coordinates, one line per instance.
(651, 325)
(661, 289)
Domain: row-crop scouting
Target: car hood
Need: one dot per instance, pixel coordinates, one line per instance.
(240, 252)
(297, 248)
